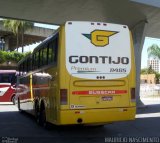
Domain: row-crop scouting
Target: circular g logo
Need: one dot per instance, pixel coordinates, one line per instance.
(100, 37)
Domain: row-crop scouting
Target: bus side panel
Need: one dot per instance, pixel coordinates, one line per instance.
(51, 107)
(24, 94)
(63, 77)
(132, 77)
(6, 92)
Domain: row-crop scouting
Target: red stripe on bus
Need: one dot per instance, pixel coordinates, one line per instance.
(2, 86)
(99, 92)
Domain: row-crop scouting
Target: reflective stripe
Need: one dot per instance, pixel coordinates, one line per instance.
(99, 92)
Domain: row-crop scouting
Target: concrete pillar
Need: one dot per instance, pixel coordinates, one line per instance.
(138, 33)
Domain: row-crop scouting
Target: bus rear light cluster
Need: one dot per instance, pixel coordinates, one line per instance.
(100, 77)
(63, 96)
(92, 23)
(133, 96)
(104, 24)
(70, 23)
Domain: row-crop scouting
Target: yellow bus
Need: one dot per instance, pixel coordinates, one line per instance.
(82, 74)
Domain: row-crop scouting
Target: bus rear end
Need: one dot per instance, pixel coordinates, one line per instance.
(7, 85)
(98, 82)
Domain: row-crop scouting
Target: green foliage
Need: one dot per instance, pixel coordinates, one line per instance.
(2, 57)
(154, 51)
(148, 70)
(158, 76)
(144, 71)
(11, 56)
(18, 27)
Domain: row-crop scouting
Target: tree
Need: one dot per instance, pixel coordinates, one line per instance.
(18, 27)
(154, 51)
(148, 70)
(144, 71)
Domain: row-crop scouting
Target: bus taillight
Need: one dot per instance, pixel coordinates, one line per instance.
(63, 96)
(133, 96)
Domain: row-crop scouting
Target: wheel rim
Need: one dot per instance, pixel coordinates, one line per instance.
(13, 100)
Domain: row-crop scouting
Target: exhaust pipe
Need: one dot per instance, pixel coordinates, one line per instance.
(79, 120)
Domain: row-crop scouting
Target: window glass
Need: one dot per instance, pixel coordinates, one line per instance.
(29, 64)
(33, 62)
(7, 78)
(25, 67)
(20, 69)
(37, 59)
(41, 57)
(45, 56)
(50, 53)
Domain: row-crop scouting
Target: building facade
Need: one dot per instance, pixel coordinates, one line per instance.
(148, 78)
(154, 63)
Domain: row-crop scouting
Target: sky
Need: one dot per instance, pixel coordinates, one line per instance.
(46, 25)
(155, 3)
(147, 43)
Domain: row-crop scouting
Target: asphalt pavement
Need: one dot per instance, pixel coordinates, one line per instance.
(18, 127)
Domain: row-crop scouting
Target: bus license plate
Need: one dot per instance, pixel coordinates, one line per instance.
(107, 98)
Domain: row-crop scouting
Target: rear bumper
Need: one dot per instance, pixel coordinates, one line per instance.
(96, 116)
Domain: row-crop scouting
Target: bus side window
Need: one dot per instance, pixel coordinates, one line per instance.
(45, 56)
(37, 60)
(41, 57)
(29, 64)
(19, 69)
(53, 45)
(50, 53)
(25, 67)
(55, 48)
(13, 79)
(34, 61)
(5, 78)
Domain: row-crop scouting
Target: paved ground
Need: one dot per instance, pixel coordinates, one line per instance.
(18, 127)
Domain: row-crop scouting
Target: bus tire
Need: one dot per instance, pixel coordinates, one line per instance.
(19, 107)
(13, 99)
(43, 121)
(37, 113)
